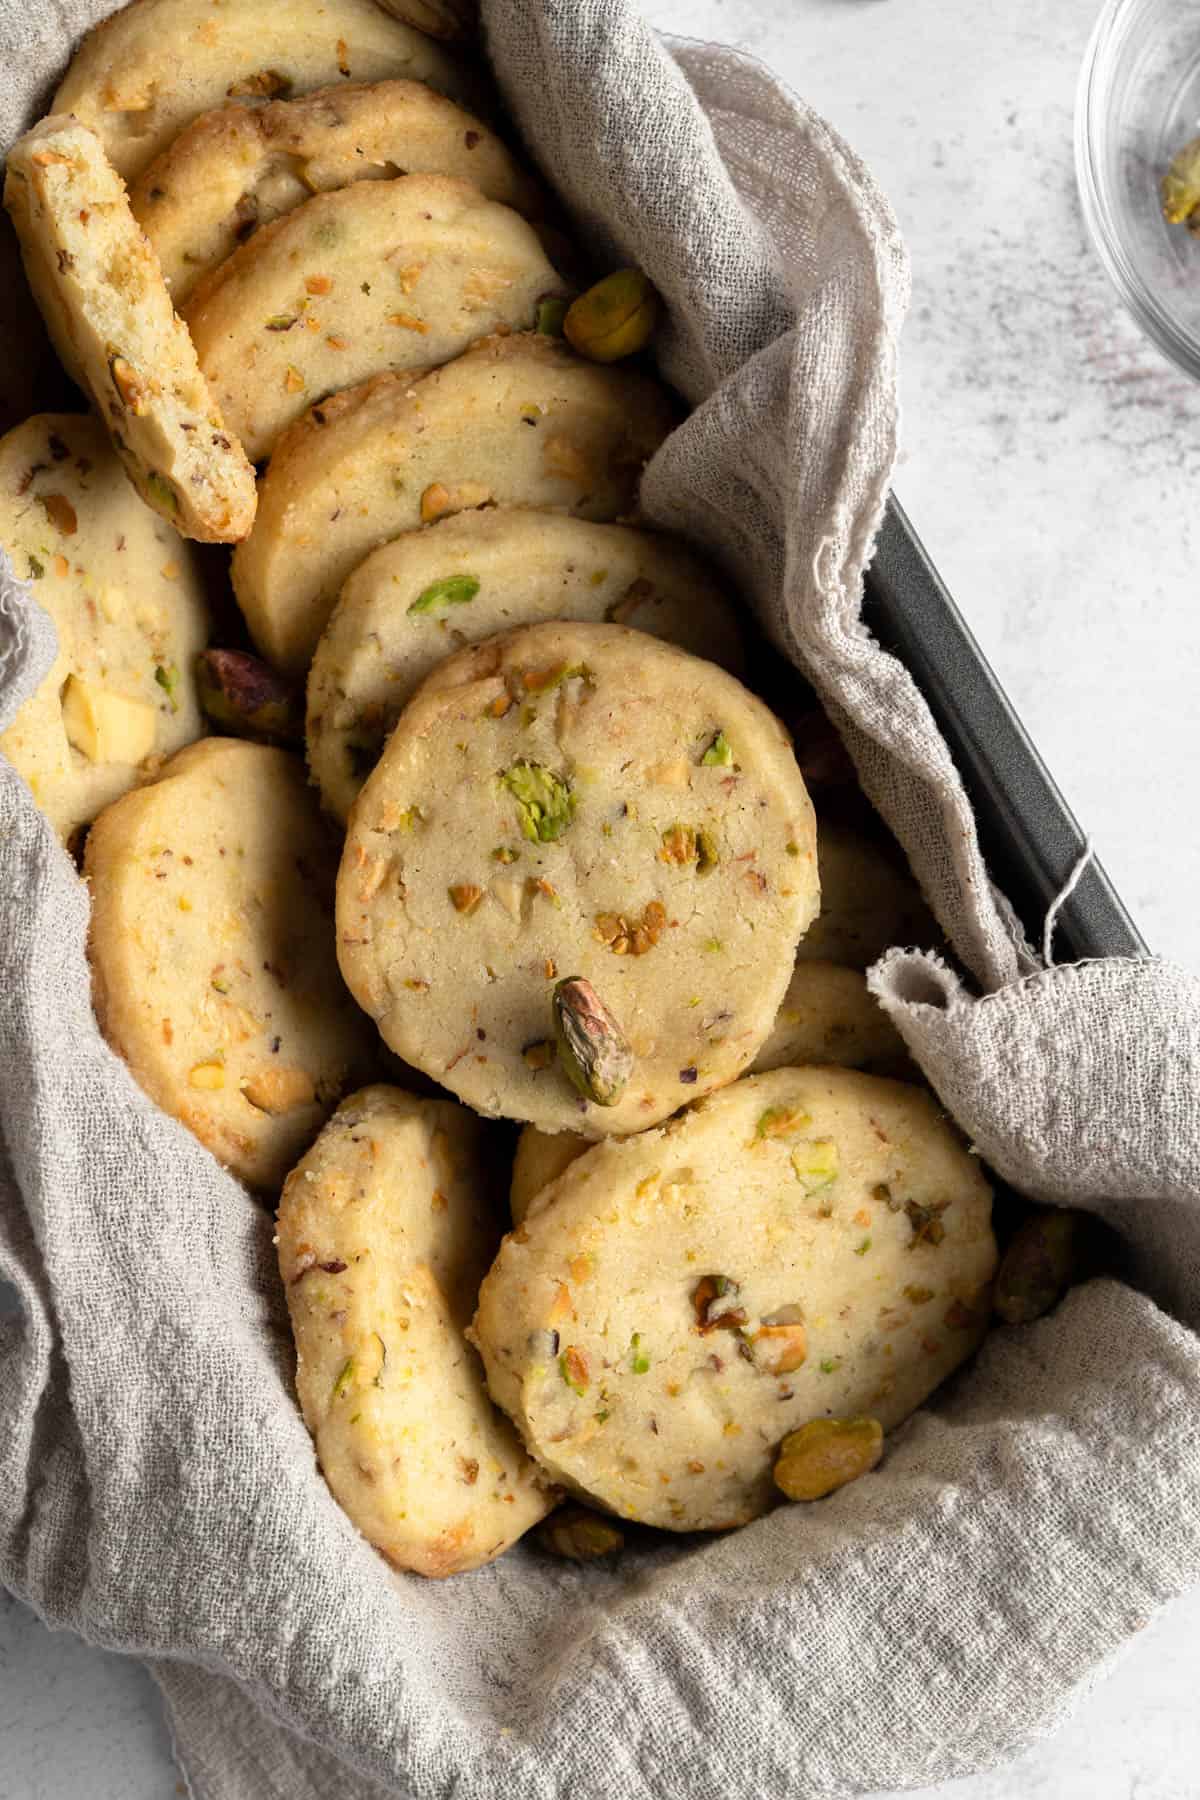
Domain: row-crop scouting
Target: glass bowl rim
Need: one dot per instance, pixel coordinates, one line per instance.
(1176, 343)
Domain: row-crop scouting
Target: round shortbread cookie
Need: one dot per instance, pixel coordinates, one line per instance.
(514, 421)
(382, 275)
(235, 169)
(869, 902)
(129, 612)
(386, 1229)
(829, 1015)
(804, 1244)
(577, 800)
(212, 953)
(430, 592)
(108, 312)
(147, 71)
(540, 1158)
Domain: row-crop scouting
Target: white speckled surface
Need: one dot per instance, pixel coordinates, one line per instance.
(1048, 453)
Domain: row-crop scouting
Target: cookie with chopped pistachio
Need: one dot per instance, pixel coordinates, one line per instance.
(386, 1229)
(805, 1244)
(514, 421)
(127, 601)
(212, 956)
(398, 274)
(147, 71)
(572, 888)
(540, 1158)
(108, 312)
(829, 1015)
(237, 168)
(869, 902)
(430, 592)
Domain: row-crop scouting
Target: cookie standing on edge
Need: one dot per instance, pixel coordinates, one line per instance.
(147, 71)
(108, 312)
(239, 167)
(829, 1015)
(212, 953)
(128, 606)
(540, 1158)
(430, 592)
(386, 1229)
(808, 1244)
(381, 275)
(869, 902)
(515, 421)
(577, 800)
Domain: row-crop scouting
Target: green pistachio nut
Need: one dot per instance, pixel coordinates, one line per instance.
(616, 318)
(825, 1454)
(592, 1048)
(579, 1535)
(1181, 184)
(245, 696)
(1038, 1266)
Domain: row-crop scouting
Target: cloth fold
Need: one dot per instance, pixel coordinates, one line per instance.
(158, 1490)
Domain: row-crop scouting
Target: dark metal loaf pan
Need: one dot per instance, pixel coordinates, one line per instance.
(1029, 835)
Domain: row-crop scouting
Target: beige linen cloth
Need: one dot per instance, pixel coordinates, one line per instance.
(158, 1491)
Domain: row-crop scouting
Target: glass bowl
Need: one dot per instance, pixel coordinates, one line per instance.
(1138, 103)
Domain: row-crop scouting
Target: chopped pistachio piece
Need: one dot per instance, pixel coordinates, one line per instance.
(579, 1535)
(161, 493)
(545, 803)
(167, 677)
(719, 754)
(594, 1051)
(451, 590)
(639, 1362)
(714, 1299)
(816, 1164)
(781, 1121)
(573, 1367)
(550, 315)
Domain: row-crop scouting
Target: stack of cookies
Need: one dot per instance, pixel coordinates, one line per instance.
(551, 860)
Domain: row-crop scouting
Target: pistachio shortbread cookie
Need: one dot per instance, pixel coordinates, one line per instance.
(804, 1244)
(869, 902)
(829, 1015)
(237, 168)
(540, 1158)
(128, 606)
(386, 1229)
(514, 421)
(380, 275)
(101, 292)
(430, 592)
(140, 76)
(577, 800)
(212, 955)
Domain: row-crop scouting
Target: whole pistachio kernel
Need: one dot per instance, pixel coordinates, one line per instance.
(452, 590)
(593, 1050)
(244, 695)
(579, 1535)
(825, 1454)
(1037, 1267)
(615, 318)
